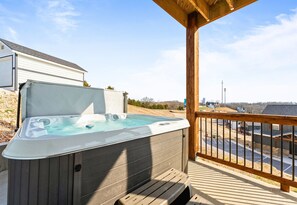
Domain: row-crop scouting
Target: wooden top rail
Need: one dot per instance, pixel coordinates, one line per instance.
(269, 119)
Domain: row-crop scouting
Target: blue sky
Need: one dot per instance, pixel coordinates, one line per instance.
(136, 47)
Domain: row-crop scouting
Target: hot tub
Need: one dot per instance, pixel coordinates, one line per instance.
(91, 159)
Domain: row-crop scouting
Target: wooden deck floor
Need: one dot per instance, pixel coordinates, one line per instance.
(218, 185)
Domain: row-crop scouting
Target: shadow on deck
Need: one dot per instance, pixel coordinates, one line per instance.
(218, 185)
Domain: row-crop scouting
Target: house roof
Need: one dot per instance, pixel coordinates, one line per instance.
(31, 52)
(281, 110)
(208, 10)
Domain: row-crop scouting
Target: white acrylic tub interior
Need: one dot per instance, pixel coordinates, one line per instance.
(43, 137)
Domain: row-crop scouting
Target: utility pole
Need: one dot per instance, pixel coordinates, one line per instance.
(225, 93)
(222, 92)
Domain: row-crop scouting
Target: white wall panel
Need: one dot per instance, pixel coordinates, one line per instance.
(5, 51)
(45, 67)
(23, 76)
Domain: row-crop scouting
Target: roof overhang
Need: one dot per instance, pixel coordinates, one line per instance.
(208, 10)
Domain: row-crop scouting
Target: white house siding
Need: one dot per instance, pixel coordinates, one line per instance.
(24, 75)
(6, 51)
(40, 70)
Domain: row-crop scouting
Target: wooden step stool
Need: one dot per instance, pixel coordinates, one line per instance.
(163, 189)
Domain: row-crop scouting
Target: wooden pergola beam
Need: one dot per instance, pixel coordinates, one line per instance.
(174, 10)
(231, 4)
(192, 73)
(221, 9)
(208, 13)
(202, 7)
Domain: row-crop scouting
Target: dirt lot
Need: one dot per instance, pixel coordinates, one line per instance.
(167, 113)
(8, 111)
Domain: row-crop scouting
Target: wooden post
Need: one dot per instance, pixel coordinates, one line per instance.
(285, 187)
(192, 83)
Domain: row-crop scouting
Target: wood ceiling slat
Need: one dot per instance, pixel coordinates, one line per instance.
(211, 2)
(208, 10)
(231, 4)
(201, 7)
(221, 8)
(186, 6)
(173, 9)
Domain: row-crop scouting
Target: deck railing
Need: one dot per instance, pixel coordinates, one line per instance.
(259, 144)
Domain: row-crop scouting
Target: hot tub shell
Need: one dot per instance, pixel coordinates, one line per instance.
(97, 168)
(96, 176)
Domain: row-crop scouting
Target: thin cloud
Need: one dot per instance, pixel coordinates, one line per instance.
(61, 13)
(165, 80)
(9, 20)
(262, 62)
(13, 34)
(254, 64)
(7, 16)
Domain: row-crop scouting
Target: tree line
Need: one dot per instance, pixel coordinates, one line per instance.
(147, 103)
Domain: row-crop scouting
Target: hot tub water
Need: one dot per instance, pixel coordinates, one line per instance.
(48, 136)
(73, 125)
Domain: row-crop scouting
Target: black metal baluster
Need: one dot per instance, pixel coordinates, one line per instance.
(205, 135)
(261, 147)
(236, 142)
(201, 134)
(282, 144)
(244, 142)
(271, 150)
(210, 136)
(253, 154)
(223, 139)
(230, 141)
(293, 153)
(217, 138)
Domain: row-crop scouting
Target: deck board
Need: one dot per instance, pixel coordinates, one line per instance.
(216, 185)
(163, 189)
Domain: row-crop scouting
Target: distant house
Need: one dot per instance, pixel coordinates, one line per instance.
(19, 63)
(211, 104)
(241, 126)
(274, 130)
(289, 110)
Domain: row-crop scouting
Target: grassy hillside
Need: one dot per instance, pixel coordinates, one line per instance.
(168, 113)
(172, 113)
(8, 111)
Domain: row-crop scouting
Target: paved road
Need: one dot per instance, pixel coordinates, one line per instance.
(287, 166)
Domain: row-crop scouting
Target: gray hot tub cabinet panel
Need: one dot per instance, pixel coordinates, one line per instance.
(45, 181)
(106, 173)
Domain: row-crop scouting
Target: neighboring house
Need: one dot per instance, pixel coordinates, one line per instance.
(211, 104)
(275, 129)
(19, 64)
(248, 126)
(289, 110)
